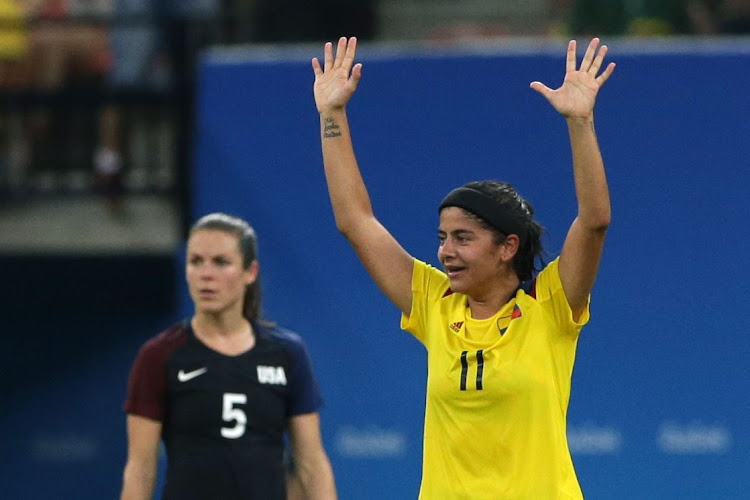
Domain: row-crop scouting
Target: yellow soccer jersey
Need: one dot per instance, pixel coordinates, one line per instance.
(497, 391)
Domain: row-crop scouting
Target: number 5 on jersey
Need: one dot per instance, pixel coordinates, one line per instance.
(232, 414)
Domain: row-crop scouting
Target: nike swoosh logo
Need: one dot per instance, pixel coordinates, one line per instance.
(184, 376)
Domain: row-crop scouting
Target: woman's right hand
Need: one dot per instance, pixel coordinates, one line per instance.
(337, 80)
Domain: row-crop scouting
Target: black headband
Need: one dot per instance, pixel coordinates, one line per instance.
(485, 207)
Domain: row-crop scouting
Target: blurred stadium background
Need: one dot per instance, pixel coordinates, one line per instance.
(124, 120)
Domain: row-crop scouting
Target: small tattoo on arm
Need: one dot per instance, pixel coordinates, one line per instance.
(330, 128)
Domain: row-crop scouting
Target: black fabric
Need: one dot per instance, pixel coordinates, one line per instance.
(485, 207)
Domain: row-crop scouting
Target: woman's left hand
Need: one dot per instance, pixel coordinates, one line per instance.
(577, 95)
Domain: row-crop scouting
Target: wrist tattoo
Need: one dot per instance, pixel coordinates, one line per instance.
(330, 128)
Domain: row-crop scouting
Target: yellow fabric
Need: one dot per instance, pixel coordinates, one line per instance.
(503, 436)
(14, 40)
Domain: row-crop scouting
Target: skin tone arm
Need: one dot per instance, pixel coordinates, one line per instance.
(312, 465)
(139, 477)
(575, 99)
(383, 257)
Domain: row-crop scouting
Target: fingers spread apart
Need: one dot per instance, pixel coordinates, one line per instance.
(592, 61)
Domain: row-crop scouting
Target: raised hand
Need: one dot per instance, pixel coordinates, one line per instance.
(577, 95)
(337, 80)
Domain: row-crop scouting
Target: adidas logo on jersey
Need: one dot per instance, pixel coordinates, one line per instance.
(456, 327)
(273, 375)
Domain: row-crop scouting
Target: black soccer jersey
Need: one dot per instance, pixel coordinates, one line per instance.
(223, 417)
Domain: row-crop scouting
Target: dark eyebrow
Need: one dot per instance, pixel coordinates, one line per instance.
(213, 257)
(456, 232)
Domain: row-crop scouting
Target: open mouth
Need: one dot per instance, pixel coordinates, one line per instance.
(454, 271)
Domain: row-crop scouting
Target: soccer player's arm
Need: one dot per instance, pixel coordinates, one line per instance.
(311, 461)
(575, 99)
(385, 259)
(582, 250)
(144, 406)
(139, 477)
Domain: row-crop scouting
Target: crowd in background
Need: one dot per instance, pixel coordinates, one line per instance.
(65, 65)
(659, 17)
(48, 43)
(45, 44)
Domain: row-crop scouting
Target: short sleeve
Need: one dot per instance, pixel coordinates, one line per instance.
(304, 391)
(427, 284)
(551, 296)
(147, 383)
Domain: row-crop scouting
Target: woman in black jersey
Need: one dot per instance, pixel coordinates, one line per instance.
(222, 388)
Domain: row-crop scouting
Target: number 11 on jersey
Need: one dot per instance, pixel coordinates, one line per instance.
(465, 369)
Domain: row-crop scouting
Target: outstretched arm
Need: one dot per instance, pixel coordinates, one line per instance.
(575, 99)
(383, 257)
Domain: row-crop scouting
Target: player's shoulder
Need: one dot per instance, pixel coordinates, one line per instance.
(278, 334)
(547, 281)
(167, 340)
(282, 338)
(431, 280)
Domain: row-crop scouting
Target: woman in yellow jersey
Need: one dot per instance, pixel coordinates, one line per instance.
(500, 335)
